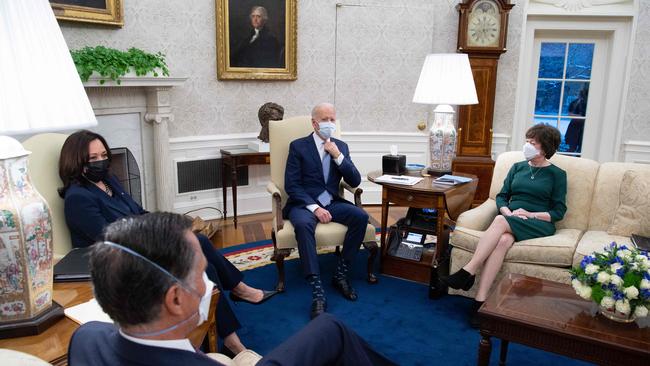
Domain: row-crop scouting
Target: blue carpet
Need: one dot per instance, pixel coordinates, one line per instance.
(395, 316)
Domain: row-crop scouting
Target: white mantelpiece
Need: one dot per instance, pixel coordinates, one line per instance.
(151, 98)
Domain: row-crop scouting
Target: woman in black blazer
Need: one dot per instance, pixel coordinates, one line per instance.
(94, 198)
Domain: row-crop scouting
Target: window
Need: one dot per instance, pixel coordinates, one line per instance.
(563, 79)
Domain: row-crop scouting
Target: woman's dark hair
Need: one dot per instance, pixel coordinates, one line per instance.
(130, 289)
(74, 155)
(548, 136)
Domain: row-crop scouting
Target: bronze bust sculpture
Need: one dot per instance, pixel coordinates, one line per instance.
(268, 112)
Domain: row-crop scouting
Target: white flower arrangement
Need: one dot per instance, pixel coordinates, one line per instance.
(617, 279)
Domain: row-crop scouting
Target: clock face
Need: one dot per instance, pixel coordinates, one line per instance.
(484, 25)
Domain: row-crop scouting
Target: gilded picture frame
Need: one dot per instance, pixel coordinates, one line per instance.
(109, 12)
(256, 39)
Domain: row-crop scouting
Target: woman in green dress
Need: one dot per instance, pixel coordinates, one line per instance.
(531, 201)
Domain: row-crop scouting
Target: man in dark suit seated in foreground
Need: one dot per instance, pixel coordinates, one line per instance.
(149, 277)
(315, 166)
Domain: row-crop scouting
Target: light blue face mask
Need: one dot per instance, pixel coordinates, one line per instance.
(326, 129)
(204, 305)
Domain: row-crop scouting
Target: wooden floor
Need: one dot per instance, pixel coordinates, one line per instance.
(257, 227)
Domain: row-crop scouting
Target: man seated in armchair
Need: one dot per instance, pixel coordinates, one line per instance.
(315, 166)
(149, 277)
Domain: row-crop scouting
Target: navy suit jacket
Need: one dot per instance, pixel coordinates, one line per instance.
(303, 176)
(96, 343)
(88, 210)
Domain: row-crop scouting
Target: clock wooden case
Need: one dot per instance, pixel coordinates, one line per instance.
(482, 31)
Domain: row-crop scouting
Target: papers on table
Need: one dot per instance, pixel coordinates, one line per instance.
(87, 312)
(398, 179)
(451, 180)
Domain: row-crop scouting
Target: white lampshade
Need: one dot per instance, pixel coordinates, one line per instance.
(40, 89)
(446, 78)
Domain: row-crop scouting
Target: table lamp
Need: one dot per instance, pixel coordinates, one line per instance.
(40, 91)
(446, 79)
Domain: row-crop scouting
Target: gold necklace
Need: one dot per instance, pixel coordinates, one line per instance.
(108, 189)
(532, 175)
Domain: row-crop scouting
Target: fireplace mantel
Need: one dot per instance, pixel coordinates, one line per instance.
(152, 96)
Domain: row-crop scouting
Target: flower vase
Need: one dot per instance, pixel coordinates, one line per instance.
(616, 316)
(25, 245)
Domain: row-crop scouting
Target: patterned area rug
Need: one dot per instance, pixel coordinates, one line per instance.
(258, 254)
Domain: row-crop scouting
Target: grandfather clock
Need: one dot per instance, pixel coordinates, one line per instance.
(482, 31)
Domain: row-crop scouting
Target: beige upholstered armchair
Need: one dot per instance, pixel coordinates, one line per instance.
(331, 234)
(44, 172)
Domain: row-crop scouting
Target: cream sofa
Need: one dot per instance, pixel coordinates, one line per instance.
(592, 210)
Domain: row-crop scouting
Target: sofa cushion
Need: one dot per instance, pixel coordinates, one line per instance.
(606, 193)
(633, 212)
(595, 241)
(555, 250)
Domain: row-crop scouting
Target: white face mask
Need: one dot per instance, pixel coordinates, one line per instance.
(326, 129)
(204, 305)
(530, 152)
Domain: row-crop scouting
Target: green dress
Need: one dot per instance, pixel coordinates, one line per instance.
(535, 190)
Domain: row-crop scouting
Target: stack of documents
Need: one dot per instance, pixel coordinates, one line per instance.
(452, 180)
(398, 179)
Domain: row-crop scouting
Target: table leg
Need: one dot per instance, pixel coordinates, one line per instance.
(484, 350)
(504, 352)
(224, 188)
(384, 222)
(233, 168)
(440, 228)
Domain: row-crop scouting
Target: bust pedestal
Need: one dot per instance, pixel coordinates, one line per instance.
(259, 146)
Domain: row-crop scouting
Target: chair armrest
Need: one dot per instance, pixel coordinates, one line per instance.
(276, 204)
(478, 218)
(355, 191)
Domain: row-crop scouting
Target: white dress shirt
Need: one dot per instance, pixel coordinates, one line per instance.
(320, 146)
(180, 344)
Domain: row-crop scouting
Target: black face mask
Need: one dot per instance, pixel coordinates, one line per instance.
(96, 170)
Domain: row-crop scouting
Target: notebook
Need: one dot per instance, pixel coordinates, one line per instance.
(73, 267)
(452, 179)
(86, 312)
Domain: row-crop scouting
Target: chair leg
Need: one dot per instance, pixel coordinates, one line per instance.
(372, 248)
(278, 258)
(337, 251)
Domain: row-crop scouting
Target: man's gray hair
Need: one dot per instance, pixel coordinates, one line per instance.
(319, 106)
(263, 12)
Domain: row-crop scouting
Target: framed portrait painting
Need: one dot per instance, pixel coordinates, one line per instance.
(256, 39)
(108, 12)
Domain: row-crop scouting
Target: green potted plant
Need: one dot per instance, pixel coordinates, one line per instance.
(112, 64)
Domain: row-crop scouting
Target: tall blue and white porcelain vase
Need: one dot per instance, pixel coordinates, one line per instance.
(25, 239)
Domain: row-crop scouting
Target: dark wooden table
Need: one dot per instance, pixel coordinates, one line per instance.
(445, 199)
(550, 316)
(235, 158)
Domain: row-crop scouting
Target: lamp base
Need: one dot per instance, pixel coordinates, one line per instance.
(36, 325)
(437, 173)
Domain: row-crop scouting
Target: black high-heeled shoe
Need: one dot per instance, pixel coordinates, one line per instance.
(459, 280)
(267, 295)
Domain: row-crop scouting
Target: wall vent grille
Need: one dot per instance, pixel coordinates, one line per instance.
(200, 175)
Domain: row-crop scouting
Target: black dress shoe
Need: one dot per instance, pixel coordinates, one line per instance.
(267, 295)
(344, 287)
(318, 306)
(459, 280)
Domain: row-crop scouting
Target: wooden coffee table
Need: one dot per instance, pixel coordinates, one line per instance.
(550, 316)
